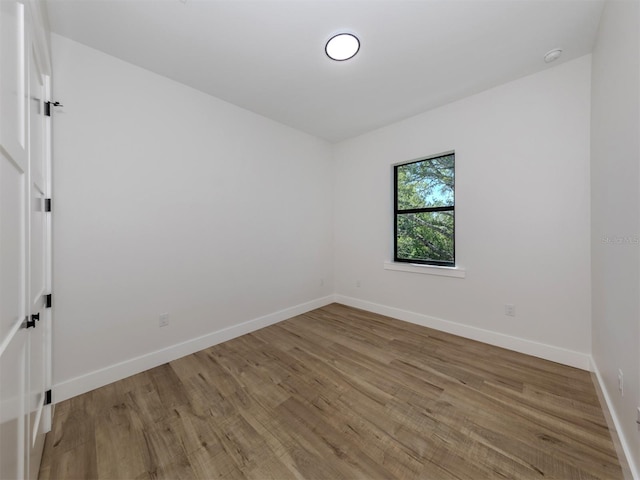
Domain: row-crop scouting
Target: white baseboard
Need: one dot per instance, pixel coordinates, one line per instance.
(529, 347)
(629, 468)
(90, 381)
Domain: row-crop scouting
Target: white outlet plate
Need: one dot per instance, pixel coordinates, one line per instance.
(510, 310)
(164, 320)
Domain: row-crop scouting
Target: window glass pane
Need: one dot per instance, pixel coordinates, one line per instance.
(429, 183)
(426, 236)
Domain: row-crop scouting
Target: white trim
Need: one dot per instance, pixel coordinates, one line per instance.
(456, 272)
(90, 381)
(529, 347)
(626, 449)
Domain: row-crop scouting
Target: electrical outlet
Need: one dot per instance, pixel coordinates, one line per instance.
(510, 310)
(358, 283)
(322, 282)
(621, 382)
(164, 320)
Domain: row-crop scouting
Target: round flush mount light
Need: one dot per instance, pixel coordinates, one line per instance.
(552, 55)
(342, 47)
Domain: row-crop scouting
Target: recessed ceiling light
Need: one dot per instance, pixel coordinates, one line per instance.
(342, 46)
(552, 55)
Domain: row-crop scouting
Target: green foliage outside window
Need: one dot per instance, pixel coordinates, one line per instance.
(425, 200)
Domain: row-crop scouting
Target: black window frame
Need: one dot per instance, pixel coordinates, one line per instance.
(398, 211)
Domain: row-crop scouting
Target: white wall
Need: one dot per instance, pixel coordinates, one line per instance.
(169, 200)
(522, 216)
(615, 204)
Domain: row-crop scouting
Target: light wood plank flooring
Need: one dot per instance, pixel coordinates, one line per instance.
(338, 393)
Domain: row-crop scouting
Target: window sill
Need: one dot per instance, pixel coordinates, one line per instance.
(456, 272)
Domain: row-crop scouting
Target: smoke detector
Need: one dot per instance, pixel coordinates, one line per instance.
(552, 55)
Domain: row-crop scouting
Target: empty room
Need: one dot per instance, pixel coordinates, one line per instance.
(318, 239)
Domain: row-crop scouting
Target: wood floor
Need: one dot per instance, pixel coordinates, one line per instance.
(338, 393)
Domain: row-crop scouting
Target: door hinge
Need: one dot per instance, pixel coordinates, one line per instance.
(47, 301)
(29, 322)
(48, 105)
(47, 397)
(47, 204)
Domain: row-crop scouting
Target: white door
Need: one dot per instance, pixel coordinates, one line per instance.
(14, 338)
(24, 246)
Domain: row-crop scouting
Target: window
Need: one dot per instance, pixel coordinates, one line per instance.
(425, 211)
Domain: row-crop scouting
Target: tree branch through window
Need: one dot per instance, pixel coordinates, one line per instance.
(425, 211)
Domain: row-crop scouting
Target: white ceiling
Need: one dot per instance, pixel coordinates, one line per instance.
(268, 56)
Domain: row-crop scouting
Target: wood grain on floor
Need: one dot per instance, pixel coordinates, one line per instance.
(338, 393)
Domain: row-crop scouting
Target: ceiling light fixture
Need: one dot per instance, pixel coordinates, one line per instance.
(552, 55)
(342, 47)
